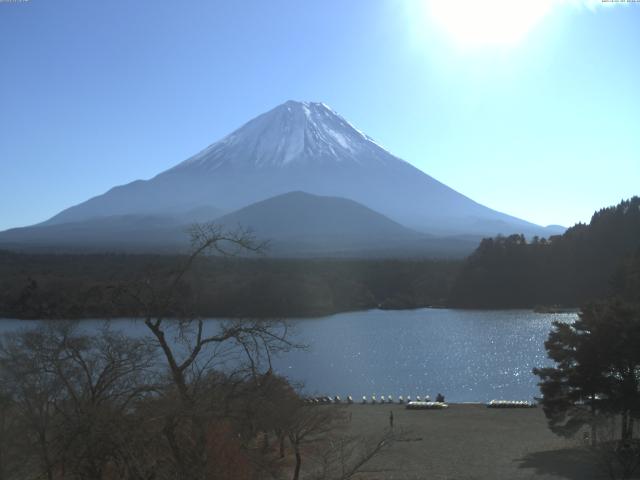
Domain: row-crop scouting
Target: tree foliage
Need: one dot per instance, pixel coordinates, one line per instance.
(77, 286)
(597, 368)
(569, 270)
(596, 381)
(192, 400)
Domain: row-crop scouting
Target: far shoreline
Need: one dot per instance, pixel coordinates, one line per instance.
(310, 316)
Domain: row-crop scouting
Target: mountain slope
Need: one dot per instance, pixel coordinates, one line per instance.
(299, 214)
(300, 146)
(130, 232)
(135, 232)
(298, 223)
(294, 224)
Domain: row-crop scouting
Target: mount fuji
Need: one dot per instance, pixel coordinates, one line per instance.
(295, 147)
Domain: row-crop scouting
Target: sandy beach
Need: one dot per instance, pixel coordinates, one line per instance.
(472, 442)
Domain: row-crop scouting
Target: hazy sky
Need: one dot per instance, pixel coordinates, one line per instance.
(533, 111)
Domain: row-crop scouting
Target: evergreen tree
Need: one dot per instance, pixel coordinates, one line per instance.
(597, 370)
(566, 270)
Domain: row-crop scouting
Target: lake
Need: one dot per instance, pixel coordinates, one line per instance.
(468, 355)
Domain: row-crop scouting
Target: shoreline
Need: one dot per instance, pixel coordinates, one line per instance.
(313, 316)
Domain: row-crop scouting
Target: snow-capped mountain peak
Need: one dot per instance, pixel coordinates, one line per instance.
(292, 134)
(301, 147)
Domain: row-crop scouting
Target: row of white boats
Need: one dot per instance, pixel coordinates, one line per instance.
(373, 400)
(420, 403)
(510, 404)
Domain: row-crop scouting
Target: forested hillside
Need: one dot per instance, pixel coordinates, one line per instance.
(76, 286)
(587, 262)
(582, 264)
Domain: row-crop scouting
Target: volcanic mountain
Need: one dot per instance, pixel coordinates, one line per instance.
(295, 147)
(301, 146)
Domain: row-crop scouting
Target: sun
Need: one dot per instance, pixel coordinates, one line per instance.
(487, 22)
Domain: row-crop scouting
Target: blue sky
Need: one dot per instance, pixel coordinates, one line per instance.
(99, 93)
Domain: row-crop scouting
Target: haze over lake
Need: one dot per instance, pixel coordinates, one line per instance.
(468, 355)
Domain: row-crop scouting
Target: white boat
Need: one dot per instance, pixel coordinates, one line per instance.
(426, 405)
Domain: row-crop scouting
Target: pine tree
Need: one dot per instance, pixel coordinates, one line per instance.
(597, 370)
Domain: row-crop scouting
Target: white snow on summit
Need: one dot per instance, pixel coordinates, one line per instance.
(302, 147)
(294, 133)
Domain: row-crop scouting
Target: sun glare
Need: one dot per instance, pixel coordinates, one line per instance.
(487, 22)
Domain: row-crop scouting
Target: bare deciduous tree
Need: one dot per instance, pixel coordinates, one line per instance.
(192, 347)
(71, 392)
(333, 454)
(192, 400)
(346, 456)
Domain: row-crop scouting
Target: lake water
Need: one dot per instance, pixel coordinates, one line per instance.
(467, 355)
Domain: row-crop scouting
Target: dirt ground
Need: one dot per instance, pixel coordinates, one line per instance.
(472, 442)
